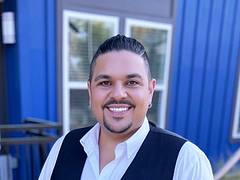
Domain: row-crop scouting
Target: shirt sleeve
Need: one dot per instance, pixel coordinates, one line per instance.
(49, 164)
(192, 164)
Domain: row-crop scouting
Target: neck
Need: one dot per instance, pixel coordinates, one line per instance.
(107, 145)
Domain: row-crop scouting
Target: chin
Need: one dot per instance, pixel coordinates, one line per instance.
(117, 130)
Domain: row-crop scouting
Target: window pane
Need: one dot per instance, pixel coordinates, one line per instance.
(84, 38)
(153, 112)
(154, 40)
(80, 114)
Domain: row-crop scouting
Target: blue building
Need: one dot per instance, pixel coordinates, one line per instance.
(194, 47)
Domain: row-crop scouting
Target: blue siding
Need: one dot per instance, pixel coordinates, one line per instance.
(205, 66)
(31, 71)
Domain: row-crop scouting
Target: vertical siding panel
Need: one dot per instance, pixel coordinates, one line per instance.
(203, 124)
(198, 69)
(175, 66)
(186, 68)
(32, 51)
(210, 76)
(32, 70)
(221, 81)
(51, 60)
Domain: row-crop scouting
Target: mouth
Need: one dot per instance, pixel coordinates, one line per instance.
(118, 110)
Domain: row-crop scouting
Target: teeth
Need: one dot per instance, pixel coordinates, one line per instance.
(118, 109)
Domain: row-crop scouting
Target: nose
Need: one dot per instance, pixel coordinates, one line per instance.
(118, 92)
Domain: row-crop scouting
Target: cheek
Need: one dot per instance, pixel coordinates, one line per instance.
(97, 101)
(141, 99)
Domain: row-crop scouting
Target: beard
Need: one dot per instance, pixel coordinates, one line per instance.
(119, 130)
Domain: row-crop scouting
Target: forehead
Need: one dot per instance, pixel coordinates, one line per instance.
(120, 63)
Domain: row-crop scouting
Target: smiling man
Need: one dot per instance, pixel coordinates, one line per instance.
(123, 144)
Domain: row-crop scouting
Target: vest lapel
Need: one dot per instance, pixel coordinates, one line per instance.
(156, 157)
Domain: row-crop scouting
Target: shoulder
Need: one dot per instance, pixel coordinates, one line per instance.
(166, 137)
(192, 154)
(164, 132)
(192, 163)
(190, 150)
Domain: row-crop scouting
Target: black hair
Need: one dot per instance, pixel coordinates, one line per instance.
(118, 43)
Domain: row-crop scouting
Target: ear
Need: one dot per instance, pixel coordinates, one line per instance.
(152, 86)
(89, 92)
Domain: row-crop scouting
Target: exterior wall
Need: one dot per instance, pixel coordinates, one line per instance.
(31, 70)
(204, 75)
(203, 71)
(31, 62)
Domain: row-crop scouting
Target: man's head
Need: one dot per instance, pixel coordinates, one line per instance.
(120, 85)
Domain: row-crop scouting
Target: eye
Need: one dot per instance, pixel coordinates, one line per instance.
(104, 83)
(132, 83)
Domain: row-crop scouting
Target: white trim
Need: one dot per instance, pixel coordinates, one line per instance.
(164, 86)
(67, 85)
(78, 85)
(236, 132)
(146, 24)
(95, 17)
(65, 75)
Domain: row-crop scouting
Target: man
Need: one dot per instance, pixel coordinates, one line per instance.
(123, 144)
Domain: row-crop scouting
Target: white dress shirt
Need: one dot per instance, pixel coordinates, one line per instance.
(191, 163)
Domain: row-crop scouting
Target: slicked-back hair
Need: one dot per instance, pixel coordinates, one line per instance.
(118, 43)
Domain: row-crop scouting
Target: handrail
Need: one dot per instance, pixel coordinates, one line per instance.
(26, 140)
(31, 126)
(228, 165)
(24, 127)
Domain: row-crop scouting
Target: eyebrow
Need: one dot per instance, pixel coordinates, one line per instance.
(129, 76)
(135, 75)
(102, 76)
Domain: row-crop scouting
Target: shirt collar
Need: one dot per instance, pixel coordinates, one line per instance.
(90, 140)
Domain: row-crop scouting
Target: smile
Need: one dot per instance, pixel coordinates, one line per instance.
(118, 109)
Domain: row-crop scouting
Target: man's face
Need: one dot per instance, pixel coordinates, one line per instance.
(120, 91)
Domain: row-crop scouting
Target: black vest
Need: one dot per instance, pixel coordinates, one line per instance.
(155, 159)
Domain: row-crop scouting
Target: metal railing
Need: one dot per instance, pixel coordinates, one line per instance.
(31, 132)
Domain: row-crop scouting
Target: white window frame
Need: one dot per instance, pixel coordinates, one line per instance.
(161, 122)
(67, 85)
(236, 121)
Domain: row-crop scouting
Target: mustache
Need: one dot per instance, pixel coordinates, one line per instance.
(112, 101)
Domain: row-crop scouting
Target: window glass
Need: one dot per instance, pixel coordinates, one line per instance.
(153, 112)
(80, 113)
(154, 41)
(84, 39)
(156, 38)
(82, 34)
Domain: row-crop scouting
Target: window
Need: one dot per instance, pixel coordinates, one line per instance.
(156, 38)
(82, 34)
(236, 123)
